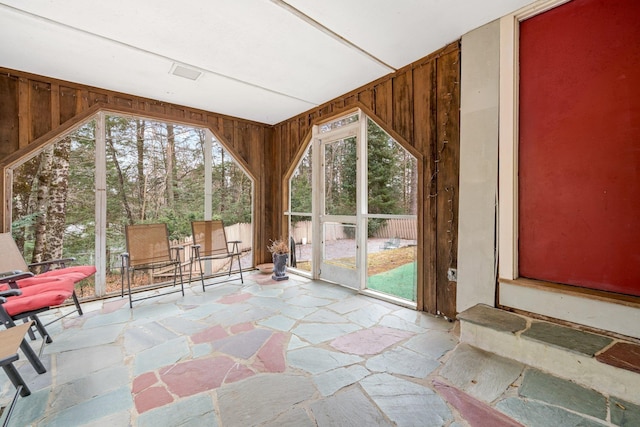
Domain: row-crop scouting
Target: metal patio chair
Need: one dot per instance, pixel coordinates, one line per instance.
(148, 248)
(210, 243)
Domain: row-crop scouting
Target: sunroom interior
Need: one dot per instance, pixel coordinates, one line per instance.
(448, 87)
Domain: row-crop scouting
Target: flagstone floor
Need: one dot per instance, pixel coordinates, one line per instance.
(266, 353)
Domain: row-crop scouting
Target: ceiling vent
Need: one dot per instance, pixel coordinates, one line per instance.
(187, 73)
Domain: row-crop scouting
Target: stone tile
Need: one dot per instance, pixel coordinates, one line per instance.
(369, 341)
(265, 397)
(243, 313)
(195, 376)
(325, 316)
(309, 301)
(243, 345)
(623, 413)
(211, 334)
(296, 417)
(316, 360)
(234, 298)
(151, 398)
(622, 355)
(407, 403)
(93, 409)
(201, 350)
(154, 309)
(404, 362)
(201, 312)
(28, 411)
(316, 333)
(195, 411)
(280, 323)
(559, 392)
(398, 323)
(566, 338)
(73, 339)
(145, 336)
(532, 413)
(182, 326)
(271, 357)
(273, 304)
(241, 327)
(483, 375)
(431, 322)
(348, 408)
(68, 394)
(349, 305)
(332, 381)
(433, 344)
(113, 318)
(72, 365)
(368, 316)
(496, 319)
(161, 355)
(122, 418)
(109, 306)
(144, 381)
(329, 290)
(295, 343)
(473, 410)
(296, 312)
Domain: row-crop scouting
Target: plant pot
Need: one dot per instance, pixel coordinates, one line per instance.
(280, 266)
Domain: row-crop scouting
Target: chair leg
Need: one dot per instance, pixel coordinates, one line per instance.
(32, 357)
(239, 267)
(41, 329)
(77, 303)
(16, 379)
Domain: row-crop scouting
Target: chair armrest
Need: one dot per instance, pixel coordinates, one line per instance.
(46, 264)
(10, 293)
(11, 279)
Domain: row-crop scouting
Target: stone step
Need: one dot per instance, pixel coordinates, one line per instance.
(606, 364)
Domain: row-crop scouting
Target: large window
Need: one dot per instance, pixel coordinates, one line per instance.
(362, 225)
(81, 191)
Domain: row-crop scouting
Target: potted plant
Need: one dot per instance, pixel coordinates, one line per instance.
(280, 254)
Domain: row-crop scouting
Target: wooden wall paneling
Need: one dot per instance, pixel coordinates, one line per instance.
(448, 152)
(9, 115)
(383, 101)
(424, 120)
(24, 113)
(55, 105)
(97, 97)
(40, 109)
(68, 103)
(402, 89)
(365, 97)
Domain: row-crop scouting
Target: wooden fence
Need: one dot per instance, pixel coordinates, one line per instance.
(406, 229)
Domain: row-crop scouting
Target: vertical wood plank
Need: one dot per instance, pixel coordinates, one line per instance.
(9, 115)
(24, 113)
(40, 109)
(68, 105)
(383, 101)
(424, 109)
(402, 89)
(448, 146)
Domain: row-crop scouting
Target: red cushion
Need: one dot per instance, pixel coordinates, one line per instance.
(75, 274)
(39, 296)
(35, 281)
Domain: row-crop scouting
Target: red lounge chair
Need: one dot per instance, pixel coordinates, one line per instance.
(28, 302)
(12, 261)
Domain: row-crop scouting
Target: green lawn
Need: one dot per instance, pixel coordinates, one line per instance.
(399, 282)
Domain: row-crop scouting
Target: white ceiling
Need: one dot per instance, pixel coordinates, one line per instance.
(262, 60)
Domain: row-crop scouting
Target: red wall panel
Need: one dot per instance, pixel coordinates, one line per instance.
(579, 147)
